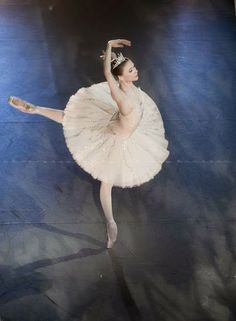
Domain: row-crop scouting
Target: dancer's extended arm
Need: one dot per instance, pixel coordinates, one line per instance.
(116, 93)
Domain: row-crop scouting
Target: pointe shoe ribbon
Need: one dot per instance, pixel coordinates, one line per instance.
(111, 234)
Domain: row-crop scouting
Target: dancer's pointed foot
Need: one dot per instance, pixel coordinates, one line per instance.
(111, 233)
(22, 105)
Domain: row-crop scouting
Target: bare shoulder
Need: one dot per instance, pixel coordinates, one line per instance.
(125, 106)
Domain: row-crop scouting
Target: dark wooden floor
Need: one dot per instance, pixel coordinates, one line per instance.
(174, 259)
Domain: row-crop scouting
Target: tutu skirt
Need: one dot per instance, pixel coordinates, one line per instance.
(110, 157)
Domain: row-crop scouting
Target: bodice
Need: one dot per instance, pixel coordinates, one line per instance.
(125, 124)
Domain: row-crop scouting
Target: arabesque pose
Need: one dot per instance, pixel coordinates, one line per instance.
(113, 130)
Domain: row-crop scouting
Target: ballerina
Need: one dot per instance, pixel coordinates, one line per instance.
(113, 130)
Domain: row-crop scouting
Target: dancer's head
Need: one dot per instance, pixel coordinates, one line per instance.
(125, 71)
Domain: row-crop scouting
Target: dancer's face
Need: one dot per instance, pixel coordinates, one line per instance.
(130, 72)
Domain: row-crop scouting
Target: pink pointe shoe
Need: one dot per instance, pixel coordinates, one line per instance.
(111, 233)
(21, 105)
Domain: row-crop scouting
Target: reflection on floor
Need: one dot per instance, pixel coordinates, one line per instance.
(174, 259)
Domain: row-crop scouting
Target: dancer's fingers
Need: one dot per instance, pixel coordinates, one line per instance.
(126, 42)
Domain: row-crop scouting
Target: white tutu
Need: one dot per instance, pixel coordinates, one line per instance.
(110, 157)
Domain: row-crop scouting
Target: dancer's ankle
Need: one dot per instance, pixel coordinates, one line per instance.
(37, 110)
(110, 221)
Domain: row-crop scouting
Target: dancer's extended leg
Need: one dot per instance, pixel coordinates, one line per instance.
(22, 105)
(106, 202)
(54, 114)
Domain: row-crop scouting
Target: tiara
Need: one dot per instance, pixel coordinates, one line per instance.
(119, 59)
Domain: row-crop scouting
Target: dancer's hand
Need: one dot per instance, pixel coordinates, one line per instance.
(116, 43)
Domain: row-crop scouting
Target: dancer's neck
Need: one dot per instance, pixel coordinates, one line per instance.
(126, 86)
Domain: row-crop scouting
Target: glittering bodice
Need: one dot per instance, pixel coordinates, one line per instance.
(125, 124)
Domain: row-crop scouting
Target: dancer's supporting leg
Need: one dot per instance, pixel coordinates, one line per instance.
(106, 202)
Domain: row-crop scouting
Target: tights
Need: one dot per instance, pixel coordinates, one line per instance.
(53, 114)
(105, 188)
(106, 202)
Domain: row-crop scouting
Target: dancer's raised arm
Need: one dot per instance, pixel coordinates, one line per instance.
(116, 93)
